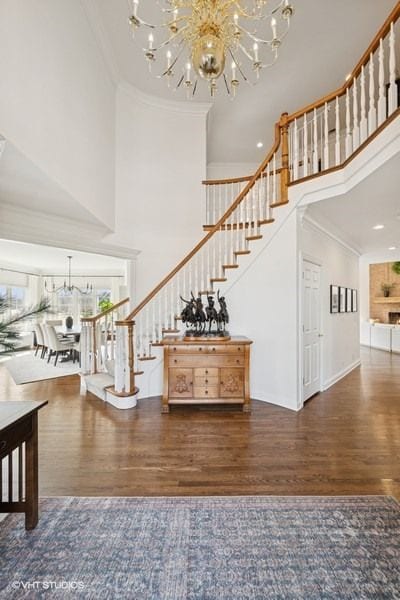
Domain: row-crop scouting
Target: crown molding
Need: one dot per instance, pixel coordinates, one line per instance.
(195, 109)
(24, 225)
(316, 226)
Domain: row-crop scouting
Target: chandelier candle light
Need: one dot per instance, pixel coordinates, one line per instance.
(205, 40)
(68, 288)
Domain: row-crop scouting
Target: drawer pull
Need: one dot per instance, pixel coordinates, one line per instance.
(206, 380)
(174, 349)
(3, 444)
(206, 391)
(200, 349)
(213, 349)
(175, 361)
(206, 372)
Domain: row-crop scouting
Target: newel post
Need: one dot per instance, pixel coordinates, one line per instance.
(285, 173)
(124, 358)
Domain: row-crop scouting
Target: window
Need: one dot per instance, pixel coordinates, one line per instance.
(16, 299)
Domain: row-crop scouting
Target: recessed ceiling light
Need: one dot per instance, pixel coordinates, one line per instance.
(378, 227)
(260, 144)
(392, 248)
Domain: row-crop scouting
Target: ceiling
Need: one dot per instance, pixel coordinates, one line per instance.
(325, 42)
(54, 260)
(375, 201)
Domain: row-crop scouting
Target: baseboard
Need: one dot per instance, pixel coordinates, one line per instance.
(338, 376)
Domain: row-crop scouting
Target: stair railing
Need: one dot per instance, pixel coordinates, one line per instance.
(327, 133)
(219, 250)
(98, 337)
(314, 140)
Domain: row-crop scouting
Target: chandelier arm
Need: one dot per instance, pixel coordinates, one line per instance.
(226, 85)
(169, 70)
(259, 16)
(168, 41)
(237, 65)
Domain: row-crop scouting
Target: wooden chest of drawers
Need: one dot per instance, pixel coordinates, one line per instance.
(206, 372)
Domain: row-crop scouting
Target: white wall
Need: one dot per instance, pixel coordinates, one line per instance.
(57, 102)
(231, 170)
(263, 306)
(340, 266)
(160, 163)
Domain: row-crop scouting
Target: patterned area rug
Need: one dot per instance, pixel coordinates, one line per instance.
(26, 368)
(241, 548)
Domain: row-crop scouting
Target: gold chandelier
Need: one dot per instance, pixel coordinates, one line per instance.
(205, 40)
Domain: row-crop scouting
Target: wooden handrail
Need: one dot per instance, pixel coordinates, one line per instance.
(236, 179)
(383, 31)
(104, 313)
(216, 227)
(223, 181)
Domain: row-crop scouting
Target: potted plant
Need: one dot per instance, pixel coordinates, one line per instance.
(386, 289)
(396, 267)
(8, 332)
(105, 303)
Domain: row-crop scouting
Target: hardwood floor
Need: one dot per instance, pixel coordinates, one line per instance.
(345, 441)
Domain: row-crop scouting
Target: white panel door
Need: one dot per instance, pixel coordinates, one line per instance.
(311, 329)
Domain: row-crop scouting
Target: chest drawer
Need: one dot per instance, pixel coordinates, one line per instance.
(206, 381)
(206, 372)
(206, 392)
(206, 349)
(205, 360)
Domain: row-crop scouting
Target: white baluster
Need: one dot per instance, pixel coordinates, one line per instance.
(305, 146)
(295, 151)
(363, 119)
(326, 137)
(372, 109)
(349, 139)
(268, 185)
(381, 74)
(337, 132)
(274, 181)
(392, 92)
(160, 315)
(315, 142)
(356, 127)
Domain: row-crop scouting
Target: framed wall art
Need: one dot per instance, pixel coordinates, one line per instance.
(349, 300)
(334, 299)
(342, 299)
(354, 303)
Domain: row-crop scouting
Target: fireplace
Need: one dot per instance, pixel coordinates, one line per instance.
(394, 318)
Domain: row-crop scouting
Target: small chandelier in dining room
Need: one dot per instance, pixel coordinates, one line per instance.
(68, 287)
(205, 40)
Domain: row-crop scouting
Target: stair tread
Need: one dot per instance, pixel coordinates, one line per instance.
(251, 238)
(239, 252)
(230, 266)
(143, 358)
(280, 203)
(217, 279)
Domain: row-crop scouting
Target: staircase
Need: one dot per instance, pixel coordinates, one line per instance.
(314, 141)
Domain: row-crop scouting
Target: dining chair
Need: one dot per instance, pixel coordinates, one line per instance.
(57, 346)
(40, 345)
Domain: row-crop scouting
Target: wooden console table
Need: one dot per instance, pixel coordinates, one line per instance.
(19, 488)
(204, 371)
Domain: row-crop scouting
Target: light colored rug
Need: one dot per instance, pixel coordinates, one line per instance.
(231, 548)
(26, 368)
